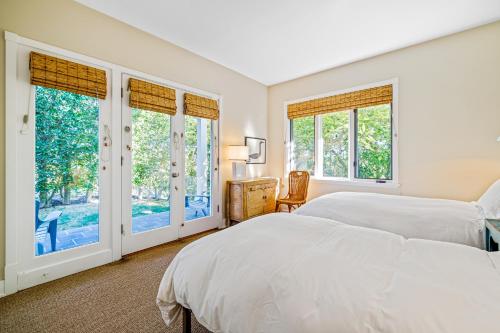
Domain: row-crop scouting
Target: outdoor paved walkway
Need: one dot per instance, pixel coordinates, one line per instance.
(69, 238)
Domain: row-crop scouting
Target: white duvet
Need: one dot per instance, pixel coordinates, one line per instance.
(290, 273)
(412, 217)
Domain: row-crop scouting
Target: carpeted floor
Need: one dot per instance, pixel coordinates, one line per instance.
(119, 297)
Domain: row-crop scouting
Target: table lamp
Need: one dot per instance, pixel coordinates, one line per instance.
(239, 156)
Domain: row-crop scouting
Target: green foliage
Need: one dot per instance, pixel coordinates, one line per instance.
(191, 147)
(66, 144)
(149, 207)
(374, 143)
(76, 216)
(67, 156)
(151, 154)
(303, 144)
(335, 128)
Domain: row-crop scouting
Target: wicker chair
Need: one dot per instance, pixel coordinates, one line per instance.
(298, 182)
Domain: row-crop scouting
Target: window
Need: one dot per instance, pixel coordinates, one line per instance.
(302, 132)
(373, 142)
(354, 144)
(335, 137)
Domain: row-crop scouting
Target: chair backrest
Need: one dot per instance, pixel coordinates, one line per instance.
(37, 210)
(298, 182)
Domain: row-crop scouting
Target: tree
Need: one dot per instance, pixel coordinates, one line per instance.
(303, 143)
(66, 144)
(191, 147)
(374, 142)
(151, 153)
(335, 133)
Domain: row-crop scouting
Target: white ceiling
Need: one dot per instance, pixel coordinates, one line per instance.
(273, 41)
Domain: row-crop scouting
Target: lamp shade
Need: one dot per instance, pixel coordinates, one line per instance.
(237, 153)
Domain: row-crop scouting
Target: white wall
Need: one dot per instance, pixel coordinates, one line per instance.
(69, 25)
(449, 110)
(449, 113)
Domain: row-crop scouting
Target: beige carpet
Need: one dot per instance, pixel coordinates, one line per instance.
(118, 297)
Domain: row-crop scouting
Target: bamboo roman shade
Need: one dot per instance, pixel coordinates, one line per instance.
(351, 100)
(52, 72)
(149, 96)
(202, 107)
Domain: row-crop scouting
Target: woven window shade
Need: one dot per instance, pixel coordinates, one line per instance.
(341, 102)
(202, 107)
(52, 72)
(152, 97)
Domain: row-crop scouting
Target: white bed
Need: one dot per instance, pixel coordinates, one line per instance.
(290, 273)
(434, 219)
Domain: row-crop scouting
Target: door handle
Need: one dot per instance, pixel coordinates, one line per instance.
(175, 174)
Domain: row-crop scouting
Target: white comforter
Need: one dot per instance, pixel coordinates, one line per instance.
(290, 273)
(435, 219)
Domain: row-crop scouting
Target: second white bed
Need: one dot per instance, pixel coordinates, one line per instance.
(434, 219)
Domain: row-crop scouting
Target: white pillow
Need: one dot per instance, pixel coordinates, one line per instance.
(490, 201)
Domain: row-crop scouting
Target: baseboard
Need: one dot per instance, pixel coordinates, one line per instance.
(2, 288)
(33, 277)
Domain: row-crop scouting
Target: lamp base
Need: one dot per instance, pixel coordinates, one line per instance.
(239, 170)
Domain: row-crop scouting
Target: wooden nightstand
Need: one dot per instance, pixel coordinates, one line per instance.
(492, 234)
(250, 197)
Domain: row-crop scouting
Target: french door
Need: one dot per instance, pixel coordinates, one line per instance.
(64, 180)
(170, 182)
(71, 190)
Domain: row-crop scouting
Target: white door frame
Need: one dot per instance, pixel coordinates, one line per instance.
(35, 269)
(13, 122)
(132, 242)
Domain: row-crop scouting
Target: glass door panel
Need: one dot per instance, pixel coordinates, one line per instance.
(66, 170)
(150, 170)
(198, 168)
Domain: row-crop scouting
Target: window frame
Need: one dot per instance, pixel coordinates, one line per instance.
(351, 180)
(355, 160)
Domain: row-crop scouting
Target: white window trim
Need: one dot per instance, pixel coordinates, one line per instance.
(350, 180)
